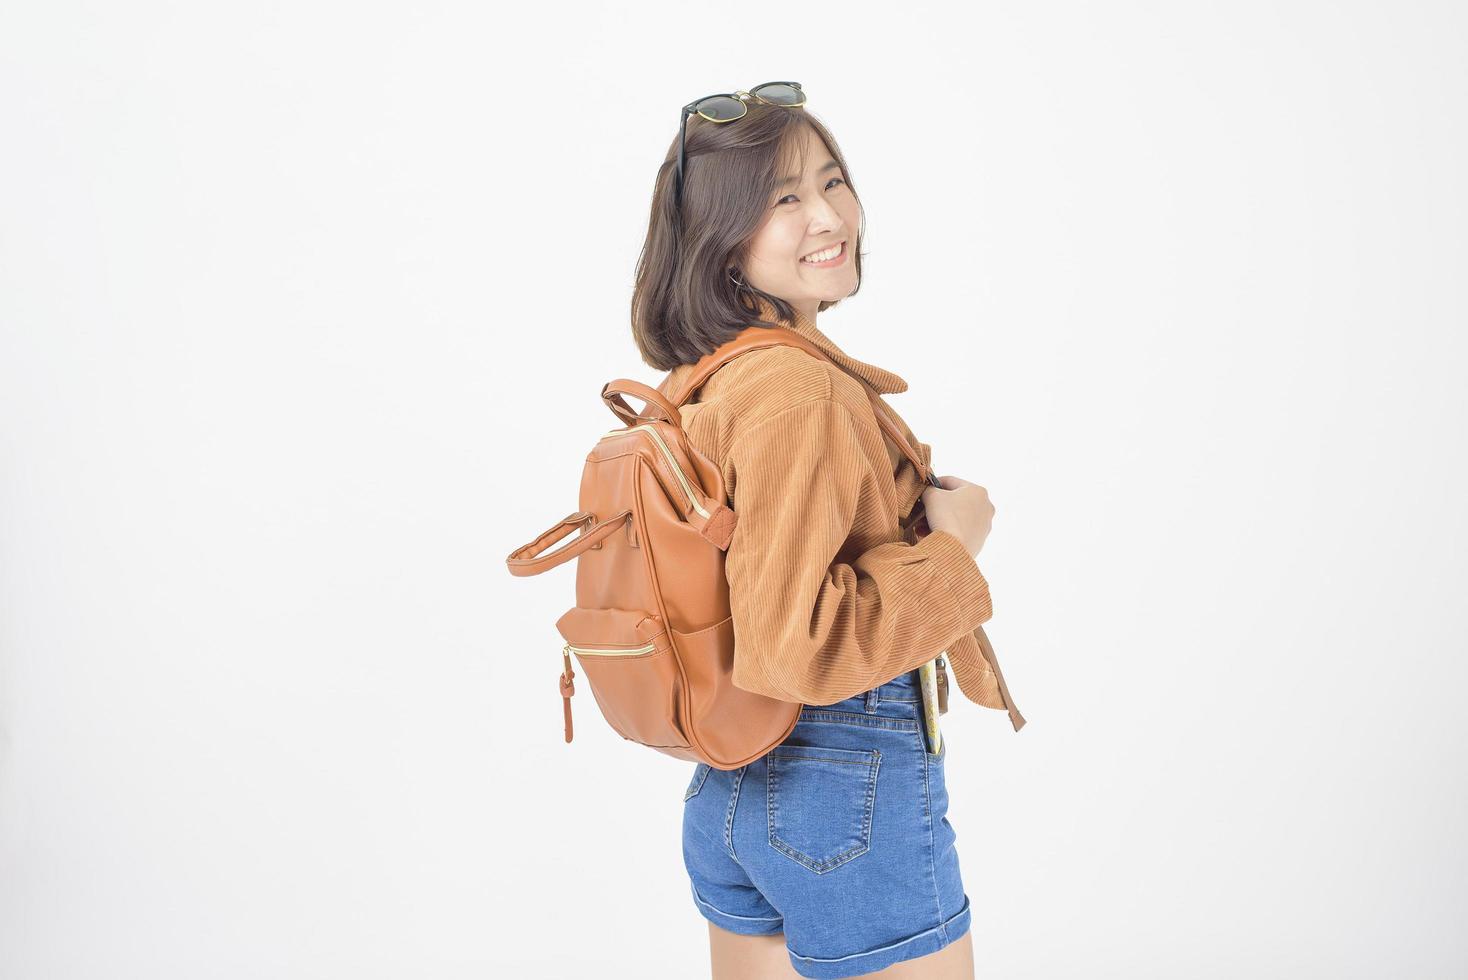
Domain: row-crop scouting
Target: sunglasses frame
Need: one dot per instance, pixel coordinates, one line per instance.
(744, 98)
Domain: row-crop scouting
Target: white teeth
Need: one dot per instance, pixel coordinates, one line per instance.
(829, 253)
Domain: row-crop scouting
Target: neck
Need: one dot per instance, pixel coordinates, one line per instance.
(803, 311)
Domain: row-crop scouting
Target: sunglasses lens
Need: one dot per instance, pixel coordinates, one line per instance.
(720, 108)
(780, 94)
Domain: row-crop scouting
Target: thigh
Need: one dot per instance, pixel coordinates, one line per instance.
(953, 962)
(736, 957)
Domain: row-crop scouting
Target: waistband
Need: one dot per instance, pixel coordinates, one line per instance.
(907, 686)
(905, 692)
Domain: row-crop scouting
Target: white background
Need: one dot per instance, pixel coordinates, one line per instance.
(304, 312)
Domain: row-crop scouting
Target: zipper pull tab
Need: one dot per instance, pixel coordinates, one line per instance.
(567, 687)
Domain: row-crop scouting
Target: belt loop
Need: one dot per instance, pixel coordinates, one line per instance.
(873, 699)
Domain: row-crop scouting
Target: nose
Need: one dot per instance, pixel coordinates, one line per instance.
(826, 219)
(822, 218)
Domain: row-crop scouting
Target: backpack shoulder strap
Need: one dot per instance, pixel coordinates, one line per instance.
(748, 339)
(755, 338)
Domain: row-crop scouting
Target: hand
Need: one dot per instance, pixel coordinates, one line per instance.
(962, 509)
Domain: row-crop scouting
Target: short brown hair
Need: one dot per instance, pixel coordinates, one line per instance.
(684, 303)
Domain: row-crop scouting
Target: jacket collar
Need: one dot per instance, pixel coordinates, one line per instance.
(886, 382)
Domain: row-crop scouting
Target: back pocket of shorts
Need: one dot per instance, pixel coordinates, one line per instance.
(820, 803)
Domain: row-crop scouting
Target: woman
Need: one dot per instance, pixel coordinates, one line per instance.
(832, 855)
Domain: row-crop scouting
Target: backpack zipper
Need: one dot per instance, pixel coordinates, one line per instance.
(610, 651)
(667, 454)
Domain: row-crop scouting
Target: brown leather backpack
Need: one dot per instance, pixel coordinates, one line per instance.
(651, 626)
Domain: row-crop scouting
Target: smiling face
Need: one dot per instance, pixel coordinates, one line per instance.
(812, 213)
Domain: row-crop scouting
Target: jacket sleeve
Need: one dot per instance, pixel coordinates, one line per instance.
(807, 627)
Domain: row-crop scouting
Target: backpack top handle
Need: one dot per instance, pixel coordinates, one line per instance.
(659, 407)
(663, 410)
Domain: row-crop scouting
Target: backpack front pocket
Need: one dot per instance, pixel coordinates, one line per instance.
(627, 658)
(820, 803)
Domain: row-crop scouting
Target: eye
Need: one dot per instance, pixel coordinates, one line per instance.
(833, 180)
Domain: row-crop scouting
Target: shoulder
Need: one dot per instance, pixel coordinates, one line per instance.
(764, 384)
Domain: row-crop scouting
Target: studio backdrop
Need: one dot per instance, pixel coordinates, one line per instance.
(305, 311)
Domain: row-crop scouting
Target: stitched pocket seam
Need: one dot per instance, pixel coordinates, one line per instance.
(867, 804)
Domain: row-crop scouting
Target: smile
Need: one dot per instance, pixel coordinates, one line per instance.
(834, 260)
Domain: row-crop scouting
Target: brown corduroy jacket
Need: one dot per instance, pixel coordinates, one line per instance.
(830, 593)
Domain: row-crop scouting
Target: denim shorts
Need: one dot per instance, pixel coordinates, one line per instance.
(838, 837)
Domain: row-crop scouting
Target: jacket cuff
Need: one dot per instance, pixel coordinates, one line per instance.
(961, 574)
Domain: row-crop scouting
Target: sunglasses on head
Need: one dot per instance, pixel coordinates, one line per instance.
(729, 106)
